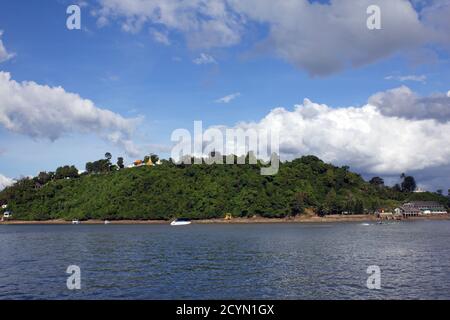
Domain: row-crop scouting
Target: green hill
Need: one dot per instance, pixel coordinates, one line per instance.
(200, 192)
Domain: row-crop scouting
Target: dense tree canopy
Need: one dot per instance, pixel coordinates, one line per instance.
(200, 191)
(409, 184)
(377, 181)
(66, 172)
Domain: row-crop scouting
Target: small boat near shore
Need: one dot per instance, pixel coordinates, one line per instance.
(75, 221)
(181, 222)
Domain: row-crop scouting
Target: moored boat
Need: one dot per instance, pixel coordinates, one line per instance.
(180, 222)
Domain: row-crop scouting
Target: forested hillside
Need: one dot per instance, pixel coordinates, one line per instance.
(167, 190)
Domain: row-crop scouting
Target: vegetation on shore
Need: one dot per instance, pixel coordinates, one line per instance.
(168, 190)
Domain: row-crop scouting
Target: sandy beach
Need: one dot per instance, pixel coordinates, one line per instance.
(254, 220)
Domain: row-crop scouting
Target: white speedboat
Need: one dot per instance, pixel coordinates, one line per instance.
(106, 222)
(180, 222)
(75, 222)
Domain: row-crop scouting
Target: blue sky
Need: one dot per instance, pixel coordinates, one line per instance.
(133, 75)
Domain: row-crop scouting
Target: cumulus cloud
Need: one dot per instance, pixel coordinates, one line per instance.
(365, 138)
(4, 54)
(321, 38)
(205, 23)
(403, 102)
(5, 182)
(325, 38)
(45, 112)
(228, 98)
(204, 59)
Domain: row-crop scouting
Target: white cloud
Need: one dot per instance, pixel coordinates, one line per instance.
(102, 22)
(122, 140)
(4, 54)
(402, 102)
(417, 78)
(320, 38)
(325, 38)
(5, 182)
(205, 23)
(160, 37)
(82, 4)
(110, 78)
(436, 15)
(363, 137)
(204, 59)
(41, 111)
(448, 94)
(228, 98)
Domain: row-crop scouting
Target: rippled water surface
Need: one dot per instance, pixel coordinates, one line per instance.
(273, 261)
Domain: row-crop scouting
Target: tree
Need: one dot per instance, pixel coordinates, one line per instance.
(102, 165)
(331, 205)
(154, 158)
(298, 204)
(108, 156)
(99, 166)
(409, 184)
(374, 205)
(44, 177)
(377, 181)
(66, 172)
(89, 167)
(146, 159)
(120, 163)
(440, 192)
(358, 207)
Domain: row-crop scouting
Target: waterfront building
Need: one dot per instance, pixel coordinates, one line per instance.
(420, 208)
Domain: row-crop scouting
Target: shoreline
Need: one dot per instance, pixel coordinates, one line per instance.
(256, 220)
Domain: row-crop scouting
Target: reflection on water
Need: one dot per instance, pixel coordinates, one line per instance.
(276, 261)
